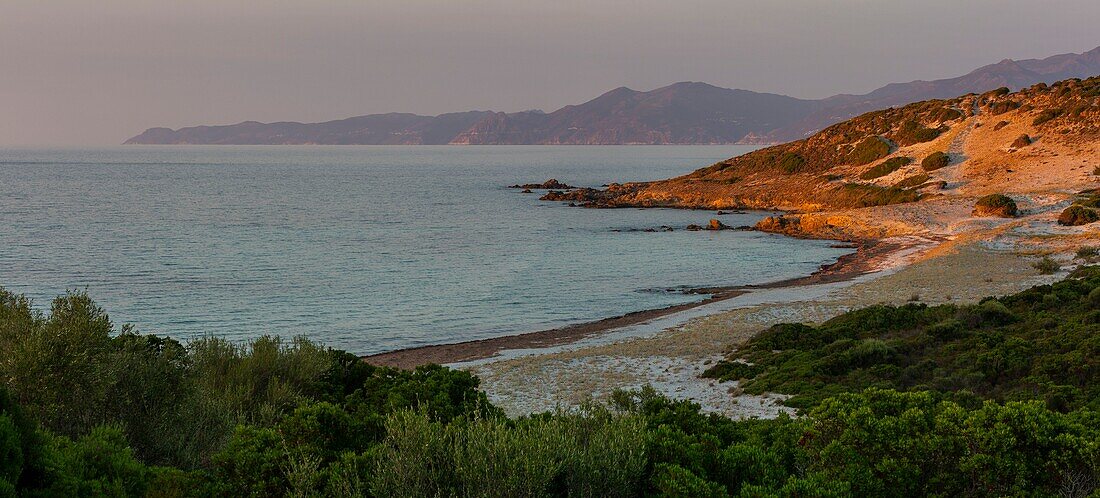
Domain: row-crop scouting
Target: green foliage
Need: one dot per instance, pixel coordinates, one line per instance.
(862, 195)
(100, 463)
(996, 205)
(592, 453)
(1002, 349)
(1047, 266)
(947, 114)
(994, 399)
(935, 160)
(912, 181)
(886, 167)
(1085, 252)
(791, 163)
(886, 443)
(1046, 115)
(1077, 215)
(912, 132)
(868, 151)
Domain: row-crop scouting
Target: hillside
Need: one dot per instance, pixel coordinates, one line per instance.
(1007, 73)
(682, 113)
(832, 178)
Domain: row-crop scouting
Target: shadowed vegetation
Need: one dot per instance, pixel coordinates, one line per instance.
(994, 399)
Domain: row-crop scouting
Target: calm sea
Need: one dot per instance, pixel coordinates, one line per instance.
(364, 248)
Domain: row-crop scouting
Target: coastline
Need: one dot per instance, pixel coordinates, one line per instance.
(866, 259)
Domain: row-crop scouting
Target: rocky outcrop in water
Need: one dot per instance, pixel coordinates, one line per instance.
(552, 183)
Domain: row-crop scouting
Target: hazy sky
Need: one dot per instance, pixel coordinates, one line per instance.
(100, 71)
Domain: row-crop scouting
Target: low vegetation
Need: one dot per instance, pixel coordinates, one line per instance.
(1047, 266)
(862, 195)
(994, 399)
(1021, 141)
(913, 181)
(1076, 215)
(869, 150)
(999, 205)
(791, 163)
(886, 167)
(912, 132)
(935, 160)
(1035, 345)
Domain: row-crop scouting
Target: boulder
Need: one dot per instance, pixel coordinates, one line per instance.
(717, 225)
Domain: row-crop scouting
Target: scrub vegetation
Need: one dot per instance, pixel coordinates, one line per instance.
(993, 399)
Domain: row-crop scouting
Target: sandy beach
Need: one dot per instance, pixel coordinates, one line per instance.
(934, 251)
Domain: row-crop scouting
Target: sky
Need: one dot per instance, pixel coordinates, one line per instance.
(80, 72)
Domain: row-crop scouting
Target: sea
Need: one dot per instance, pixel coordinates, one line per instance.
(365, 248)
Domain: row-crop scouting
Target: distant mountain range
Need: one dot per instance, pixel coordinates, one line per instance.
(682, 113)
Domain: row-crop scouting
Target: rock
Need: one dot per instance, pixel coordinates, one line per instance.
(717, 225)
(693, 227)
(780, 224)
(666, 228)
(720, 213)
(552, 183)
(1021, 141)
(526, 191)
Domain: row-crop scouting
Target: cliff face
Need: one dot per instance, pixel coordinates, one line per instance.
(683, 113)
(876, 159)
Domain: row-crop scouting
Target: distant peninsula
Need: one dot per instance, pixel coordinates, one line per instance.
(682, 113)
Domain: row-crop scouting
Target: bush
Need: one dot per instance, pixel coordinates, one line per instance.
(999, 125)
(1076, 215)
(1046, 115)
(861, 195)
(935, 160)
(1021, 141)
(886, 167)
(791, 163)
(912, 132)
(995, 205)
(1047, 266)
(868, 151)
(947, 114)
(1085, 252)
(912, 181)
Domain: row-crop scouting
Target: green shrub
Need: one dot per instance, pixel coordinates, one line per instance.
(672, 480)
(861, 195)
(886, 167)
(731, 370)
(1047, 266)
(1046, 115)
(868, 151)
(1003, 107)
(947, 114)
(1085, 252)
(912, 181)
(935, 160)
(1077, 215)
(996, 205)
(912, 132)
(790, 163)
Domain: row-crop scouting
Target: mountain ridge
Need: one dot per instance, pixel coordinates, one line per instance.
(680, 113)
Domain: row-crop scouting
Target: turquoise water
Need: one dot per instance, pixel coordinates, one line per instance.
(364, 248)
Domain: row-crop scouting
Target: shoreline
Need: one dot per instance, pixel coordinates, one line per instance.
(847, 267)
